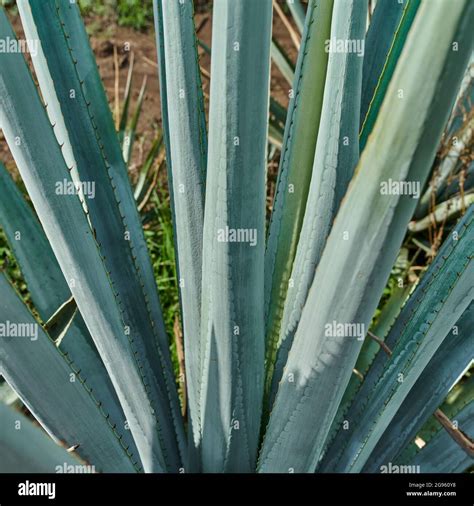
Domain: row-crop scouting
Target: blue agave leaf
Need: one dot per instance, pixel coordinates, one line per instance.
(232, 330)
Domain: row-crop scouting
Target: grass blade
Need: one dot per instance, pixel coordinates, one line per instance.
(447, 166)
(141, 187)
(130, 131)
(126, 100)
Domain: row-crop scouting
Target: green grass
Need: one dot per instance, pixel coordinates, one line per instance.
(160, 242)
(159, 237)
(11, 267)
(137, 14)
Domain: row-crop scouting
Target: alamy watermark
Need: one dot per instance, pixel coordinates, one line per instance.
(337, 329)
(66, 187)
(349, 46)
(12, 45)
(12, 329)
(392, 187)
(227, 234)
(74, 469)
(27, 488)
(399, 469)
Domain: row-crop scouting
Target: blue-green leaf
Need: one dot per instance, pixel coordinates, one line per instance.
(433, 385)
(295, 169)
(378, 41)
(369, 351)
(54, 390)
(27, 449)
(42, 274)
(48, 290)
(381, 360)
(297, 11)
(282, 62)
(232, 328)
(390, 59)
(434, 309)
(87, 71)
(441, 454)
(38, 156)
(362, 245)
(188, 156)
(337, 154)
(110, 205)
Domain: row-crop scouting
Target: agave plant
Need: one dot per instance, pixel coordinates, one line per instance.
(273, 323)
